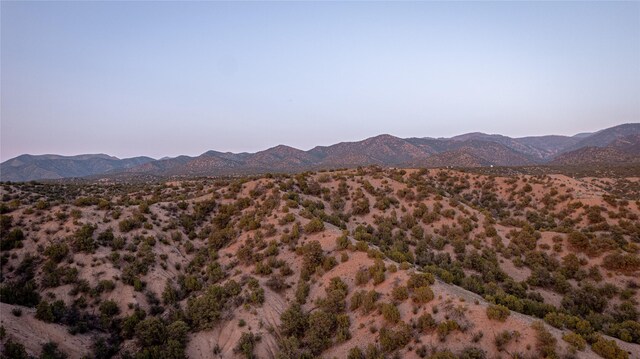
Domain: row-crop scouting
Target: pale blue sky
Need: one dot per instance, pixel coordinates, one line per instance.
(168, 78)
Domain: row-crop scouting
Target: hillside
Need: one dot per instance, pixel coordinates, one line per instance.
(29, 167)
(604, 137)
(363, 263)
(622, 150)
(469, 150)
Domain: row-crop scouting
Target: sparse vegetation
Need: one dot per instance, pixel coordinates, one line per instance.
(368, 253)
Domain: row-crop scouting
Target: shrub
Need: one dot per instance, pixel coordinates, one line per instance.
(575, 340)
(355, 353)
(313, 256)
(204, 311)
(502, 339)
(44, 312)
(426, 323)
(13, 350)
(627, 262)
(56, 252)
(608, 349)
(364, 300)
(400, 293)
(498, 312)
(422, 295)
(446, 327)
(420, 280)
(129, 224)
(246, 345)
(322, 327)
(150, 332)
(276, 283)
(21, 293)
(472, 353)
(545, 342)
(315, 225)
(360, 207)
(302, 292)
(391, 339)
(82, 240)
(12, 239)
(294, 321)
(50, 351)
(629, 331)
(362, 277)
(390, 312)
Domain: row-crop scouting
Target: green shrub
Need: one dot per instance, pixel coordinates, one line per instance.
(502, 339)
(294, 321)
(50, 351)
(394, 339)
(426, 323)
(21, 292)
(390, 312)
(545, 341)
(400, 293)
(575, 340)
(11, 239)
(150, 332)
(622, 262)
(447, 327)
(82, 239)
(312, 257)
(472, 353)
(246, 345)
(315, 225)
(422, 294)
(13, 350)
(420, 280)
(498, 312)
(322, 327)
(204, 311)
(355, 353)
(57, 252)
(362, 277)
(608, 349)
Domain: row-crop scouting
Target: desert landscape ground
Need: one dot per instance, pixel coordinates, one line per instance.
(369, 262)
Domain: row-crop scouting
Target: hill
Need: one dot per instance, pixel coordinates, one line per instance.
(364, 263)
(469, 150)
(30, 167)
(621, 150)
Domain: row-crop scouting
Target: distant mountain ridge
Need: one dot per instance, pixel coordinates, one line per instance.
(616, 145)
(35, 167)
(622, 150)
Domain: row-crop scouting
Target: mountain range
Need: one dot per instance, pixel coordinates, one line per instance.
(614, 145)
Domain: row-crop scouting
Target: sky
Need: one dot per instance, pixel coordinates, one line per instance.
(168, 78)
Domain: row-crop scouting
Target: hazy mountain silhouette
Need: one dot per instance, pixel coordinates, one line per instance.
(615, 145)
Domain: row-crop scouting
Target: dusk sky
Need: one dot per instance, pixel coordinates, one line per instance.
(168, 78)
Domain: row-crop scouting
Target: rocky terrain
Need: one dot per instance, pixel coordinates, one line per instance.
(354, 263)
(476, 149)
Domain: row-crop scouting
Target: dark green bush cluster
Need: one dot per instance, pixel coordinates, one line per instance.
(159, 340)
(308, 334)
(10, 238)
(622, 262)
(498, 312)
(246, 345)
(82, 240)
(392, 339)
(204, 312)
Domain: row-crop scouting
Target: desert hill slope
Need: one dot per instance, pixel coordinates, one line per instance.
(363, 263)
